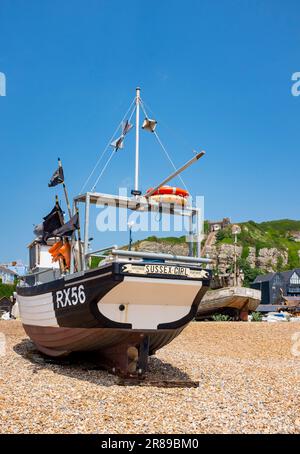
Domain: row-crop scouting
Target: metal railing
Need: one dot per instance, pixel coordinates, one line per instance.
(38, 273)
(98, 251)
(154, 256)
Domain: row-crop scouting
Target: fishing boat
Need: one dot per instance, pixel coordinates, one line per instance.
(234, 301)
(130, 305)
(227, 295)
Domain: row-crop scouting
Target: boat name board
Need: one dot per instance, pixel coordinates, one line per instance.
(174, 270)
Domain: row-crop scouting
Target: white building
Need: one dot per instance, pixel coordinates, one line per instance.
(7, 276)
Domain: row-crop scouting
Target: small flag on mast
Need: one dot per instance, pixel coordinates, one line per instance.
(126, 127)
(57, 177)
(118, 144)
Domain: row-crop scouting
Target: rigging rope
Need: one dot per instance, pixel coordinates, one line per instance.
(106, 148)
(103, 170)
(171, 130)
(110, 157)
(169, 158)
(164, 149)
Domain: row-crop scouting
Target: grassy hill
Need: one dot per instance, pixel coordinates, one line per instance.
(281, 234)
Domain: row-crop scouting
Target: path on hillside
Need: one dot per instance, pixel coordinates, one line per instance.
(210, 240)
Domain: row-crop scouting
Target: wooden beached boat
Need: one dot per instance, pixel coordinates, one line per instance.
(234, 301)
(128, 307)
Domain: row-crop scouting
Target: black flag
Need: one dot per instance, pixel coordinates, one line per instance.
(57, 177)
(53, 221)
(68, 228)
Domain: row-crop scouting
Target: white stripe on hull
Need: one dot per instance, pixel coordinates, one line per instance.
(149, 302)
(37, 310)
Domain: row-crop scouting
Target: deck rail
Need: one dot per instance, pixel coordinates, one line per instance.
(155, 256)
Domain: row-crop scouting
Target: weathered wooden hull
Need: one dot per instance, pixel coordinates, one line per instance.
(62, 341)
(231, 299)
(123, 315)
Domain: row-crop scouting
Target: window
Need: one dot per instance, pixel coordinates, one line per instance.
(295, 279)
(32, 256)
(277, 282)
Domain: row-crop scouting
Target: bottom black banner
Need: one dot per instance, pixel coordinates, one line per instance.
(135, 443)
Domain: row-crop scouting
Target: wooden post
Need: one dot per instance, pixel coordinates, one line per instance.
(66, 192)
(73, 253)
(86, 230)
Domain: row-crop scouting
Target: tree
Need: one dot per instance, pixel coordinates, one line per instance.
(249, 273)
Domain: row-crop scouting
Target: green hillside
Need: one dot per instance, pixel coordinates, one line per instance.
(281, 234)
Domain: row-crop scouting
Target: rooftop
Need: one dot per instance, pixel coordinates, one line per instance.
(7, 270)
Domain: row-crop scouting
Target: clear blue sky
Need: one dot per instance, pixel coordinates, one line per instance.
(217, 74)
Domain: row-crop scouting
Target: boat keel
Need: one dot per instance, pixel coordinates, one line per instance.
(129, 359)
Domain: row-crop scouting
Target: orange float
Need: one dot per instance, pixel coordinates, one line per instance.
(168, 190)
(170, 194)
(55, 248)
(61, 250)
(170, 198)
(65, 252)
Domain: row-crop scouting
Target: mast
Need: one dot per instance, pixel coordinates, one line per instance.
(137, 138)
(65, 191)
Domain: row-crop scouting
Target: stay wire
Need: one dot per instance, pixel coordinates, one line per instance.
(164, 148)
(113, 152)
(106, 148)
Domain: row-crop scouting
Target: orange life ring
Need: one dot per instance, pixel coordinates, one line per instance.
(170, 198)
(163, 190)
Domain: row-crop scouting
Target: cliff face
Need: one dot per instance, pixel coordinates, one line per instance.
(163, 247)
(266, 259)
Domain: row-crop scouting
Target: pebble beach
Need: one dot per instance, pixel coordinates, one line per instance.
(248, 374)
